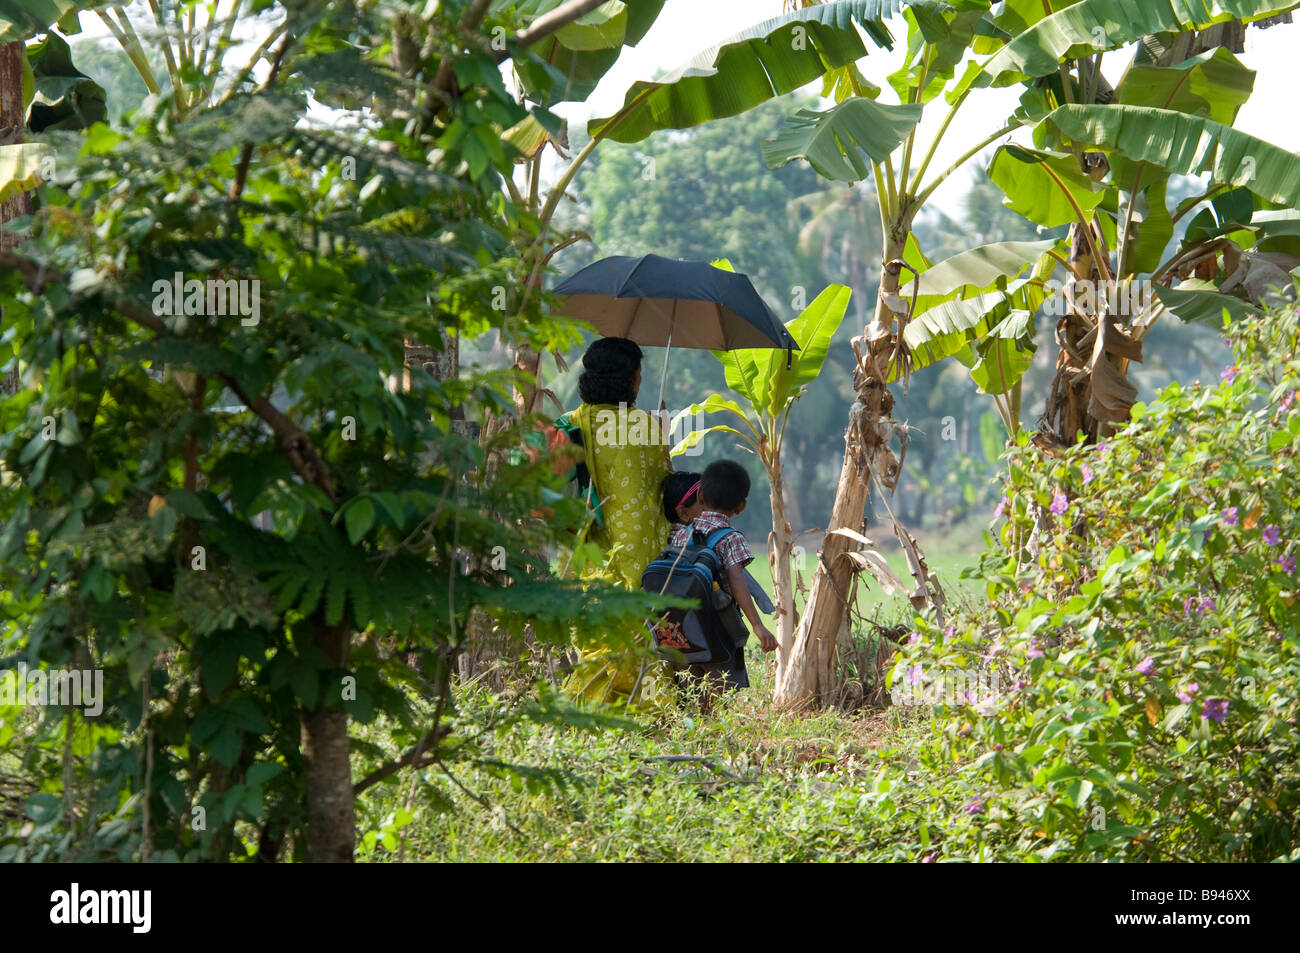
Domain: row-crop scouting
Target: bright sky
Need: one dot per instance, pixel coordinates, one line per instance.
(687, 27)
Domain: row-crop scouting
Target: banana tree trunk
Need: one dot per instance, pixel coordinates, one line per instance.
(1091, 392)
(782, 541)
(808, 679)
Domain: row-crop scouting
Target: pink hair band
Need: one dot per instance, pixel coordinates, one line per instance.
(687, 495)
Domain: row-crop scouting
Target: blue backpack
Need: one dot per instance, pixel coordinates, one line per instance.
(712, 631)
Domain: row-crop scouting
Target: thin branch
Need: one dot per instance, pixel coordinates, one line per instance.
(246, 156)
(414, 757)
(560, 17)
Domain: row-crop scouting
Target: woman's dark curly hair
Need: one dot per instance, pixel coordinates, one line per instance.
(609, 366)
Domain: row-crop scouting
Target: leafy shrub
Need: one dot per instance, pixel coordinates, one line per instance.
(1129, 690)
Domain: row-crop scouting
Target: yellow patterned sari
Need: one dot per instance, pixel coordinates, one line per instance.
(627, 459)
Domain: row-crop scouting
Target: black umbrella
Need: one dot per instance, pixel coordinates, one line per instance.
(660, 302)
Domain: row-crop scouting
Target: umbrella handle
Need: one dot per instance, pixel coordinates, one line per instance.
(663, 377)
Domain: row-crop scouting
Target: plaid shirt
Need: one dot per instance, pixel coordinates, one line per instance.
(731, 549)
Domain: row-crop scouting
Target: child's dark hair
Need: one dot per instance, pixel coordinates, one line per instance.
(674, 488)
(609, 365)
(724, 485)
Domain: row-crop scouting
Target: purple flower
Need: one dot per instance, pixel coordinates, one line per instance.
(1229, 516)
(949, 632)
(1215, 709)
(929, 858)
(1019, 684)
(1100, 450)
(1271, 535)
(1146, 667)
(994, 650)
(915, 639)
(1001, 507)
(1286, 401)
(1230, 374)
(976, 806)
(1034, 651)
(1087, 474)
(998, 746)
(1187, 606)
(1206, 605)
(914, 674)
(1059, 504)
(1188, 692)
(1286, 563)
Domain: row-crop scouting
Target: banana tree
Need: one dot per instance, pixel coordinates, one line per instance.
(1103, 165)
(771, 390)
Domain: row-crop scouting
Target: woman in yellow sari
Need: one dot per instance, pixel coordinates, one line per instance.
(627, 459)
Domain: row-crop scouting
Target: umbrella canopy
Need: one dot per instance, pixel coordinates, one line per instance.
(665, 302)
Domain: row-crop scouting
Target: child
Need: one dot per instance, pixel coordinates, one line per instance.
(681, 498)
(708, 504)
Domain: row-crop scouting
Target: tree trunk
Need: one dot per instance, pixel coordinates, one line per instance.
(781, 542)
(808, 678)
(12, 125)
(331, 825)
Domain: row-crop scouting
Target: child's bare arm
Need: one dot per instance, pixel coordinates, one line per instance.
(740, 592)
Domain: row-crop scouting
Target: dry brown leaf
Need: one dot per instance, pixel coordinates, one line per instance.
(1252, 517)
(156, 503)
(1153, 709)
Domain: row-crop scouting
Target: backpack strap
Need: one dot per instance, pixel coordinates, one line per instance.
(712, 539)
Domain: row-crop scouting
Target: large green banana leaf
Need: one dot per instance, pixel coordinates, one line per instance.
(842, 142)
(20, 167)
(1214, 84)
(979, 267)
(936, 42)
(1179, 143)
(1039, 185)
(769, 59)
(63, 96)
(813, 330)
(1154, 230)
(1090, 26)
(1201, 305)
(20, 19)
(1004, 354)
(950, 326)
(580, 53)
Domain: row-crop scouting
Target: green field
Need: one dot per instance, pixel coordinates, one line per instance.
(947, 556)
